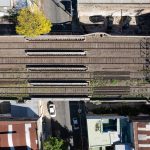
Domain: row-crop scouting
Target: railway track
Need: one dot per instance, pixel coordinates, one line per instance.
(111, 90)
(45, 90)
(45, 75)
(120, 75)
(69, 45)
(70, 90)
(71, 60)
(109, 93)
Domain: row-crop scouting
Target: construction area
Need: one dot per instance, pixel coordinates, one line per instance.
(115, 17)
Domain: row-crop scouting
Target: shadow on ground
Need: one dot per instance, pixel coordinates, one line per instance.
(125, 109)
(7, 29)
(62, 132)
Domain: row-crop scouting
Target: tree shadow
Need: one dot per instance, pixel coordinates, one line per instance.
(127, 109)
(62, 132)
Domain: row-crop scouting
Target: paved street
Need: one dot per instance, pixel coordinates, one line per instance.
(63, 113)
(61, 124)
(78, 111)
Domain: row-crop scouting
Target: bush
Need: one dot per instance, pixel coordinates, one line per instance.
(53, 143)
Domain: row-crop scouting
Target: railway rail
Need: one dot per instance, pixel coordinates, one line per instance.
(72, 90)
(69, 45)
(45, 90)
(72, 75)
(71, 60)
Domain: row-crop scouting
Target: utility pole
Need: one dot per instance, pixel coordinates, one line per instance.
(121, 20)
(79, 106)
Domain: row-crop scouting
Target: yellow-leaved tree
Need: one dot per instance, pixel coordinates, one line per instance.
(31, 22)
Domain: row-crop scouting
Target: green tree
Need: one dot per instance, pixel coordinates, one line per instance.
(53, 143)
(31, 22)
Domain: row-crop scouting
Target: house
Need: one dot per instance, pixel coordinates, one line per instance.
(141, 130)
(106, 131)
(18, 134)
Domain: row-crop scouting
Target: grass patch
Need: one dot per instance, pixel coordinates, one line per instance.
(114, 82)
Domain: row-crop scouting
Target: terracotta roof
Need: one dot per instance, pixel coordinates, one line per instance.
(19, 135)
(141, 135)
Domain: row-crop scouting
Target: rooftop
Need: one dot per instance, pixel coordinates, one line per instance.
(18, 135)
(5, 3)
(103, 130)
(141, 135)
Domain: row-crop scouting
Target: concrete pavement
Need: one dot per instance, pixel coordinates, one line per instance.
(63, 113)
(55, 11)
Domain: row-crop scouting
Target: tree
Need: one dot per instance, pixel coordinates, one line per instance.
(32, 22)
(53, 143)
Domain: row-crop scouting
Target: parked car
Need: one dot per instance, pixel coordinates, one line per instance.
(52, 110)
(75, 124)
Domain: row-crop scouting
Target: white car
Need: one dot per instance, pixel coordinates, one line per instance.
(75, 124)
(52, 110)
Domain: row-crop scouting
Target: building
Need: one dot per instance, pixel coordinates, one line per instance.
(141, 129)
(104, 132)
(115, 17)
(18, 134)
(4, 6)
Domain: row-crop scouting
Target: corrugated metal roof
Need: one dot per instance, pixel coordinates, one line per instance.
(5, 3)
(141, 135)
(114, 1)
(18, 135)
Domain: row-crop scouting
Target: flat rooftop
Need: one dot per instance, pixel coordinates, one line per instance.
(5, 3)
(103, 130)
